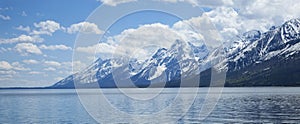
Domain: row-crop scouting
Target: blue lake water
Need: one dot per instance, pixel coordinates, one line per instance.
(253, 105)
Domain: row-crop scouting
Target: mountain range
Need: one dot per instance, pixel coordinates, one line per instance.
(254, 58)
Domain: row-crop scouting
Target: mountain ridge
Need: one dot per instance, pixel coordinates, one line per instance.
(255, 59)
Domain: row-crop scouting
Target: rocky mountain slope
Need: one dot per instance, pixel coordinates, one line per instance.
(253, 59)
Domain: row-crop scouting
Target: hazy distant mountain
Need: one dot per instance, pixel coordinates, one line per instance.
(254, 59)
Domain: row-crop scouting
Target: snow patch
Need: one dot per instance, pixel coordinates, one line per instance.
(272, 54)
(159, 70)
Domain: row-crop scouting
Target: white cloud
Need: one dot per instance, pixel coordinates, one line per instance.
(202, 3)
(23, 13)
(227, 18)
(50, 69)
(275, 11)
(227, 21)
(23, 28)
(141, 40)
(5, 65)
(35, 72)
(78, 66)
(198, 30)
(19, 67)
(55, 47)
(30, 61)
(115, 2)
(233, 17)
(230, 22)
(261, 14)
(98, 48)
(4, 17)
(3, 9)
(7, 72)
(46, 27)
(88, 49)
(22, 38)
(27, 48)
(2, 49)
(192, 2)
(52, 63)
(84, 27)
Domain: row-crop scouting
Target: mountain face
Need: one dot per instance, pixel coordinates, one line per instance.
(271, 60)
(166, 65)
(253, 59)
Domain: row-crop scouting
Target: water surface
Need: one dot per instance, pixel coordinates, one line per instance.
(275, 105)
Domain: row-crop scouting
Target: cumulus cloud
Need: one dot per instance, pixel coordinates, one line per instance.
(4, 17)
(115, 2)
(46, 27)
(27, 48)
(35, 72)
(55, 47)
(5, 65)
(19, 67)
(30, 61)
(198, 30)
(273, 9)
(2, 49)
(138, 40)
(7, 72)
(258, 12)
(98, 48)
(141, 42)
(226, 21)
(193, 2)
(223, 21)
(22, 38)
(23, 28)
(78, 66)
(237, 16)
(50, 69)
(52, 63)
(230, 22)
(84, 27)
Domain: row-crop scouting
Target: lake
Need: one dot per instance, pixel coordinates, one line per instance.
(241, 105)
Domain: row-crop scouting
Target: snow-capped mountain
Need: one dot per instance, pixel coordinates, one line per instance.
(272, 59)
(242, 41)
(165, 65)
(181, 60)
(252, 59)
(276, 42)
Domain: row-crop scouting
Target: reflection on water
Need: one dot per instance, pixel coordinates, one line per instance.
(275, 105)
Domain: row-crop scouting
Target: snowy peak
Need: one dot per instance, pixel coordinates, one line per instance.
(243, 41)
(270, 44)
(290, 30)
(200, 52)
(160, 53)
(183, 59)
(251, 35)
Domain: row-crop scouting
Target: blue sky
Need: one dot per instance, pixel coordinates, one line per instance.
(45, 68)
(37, 37)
